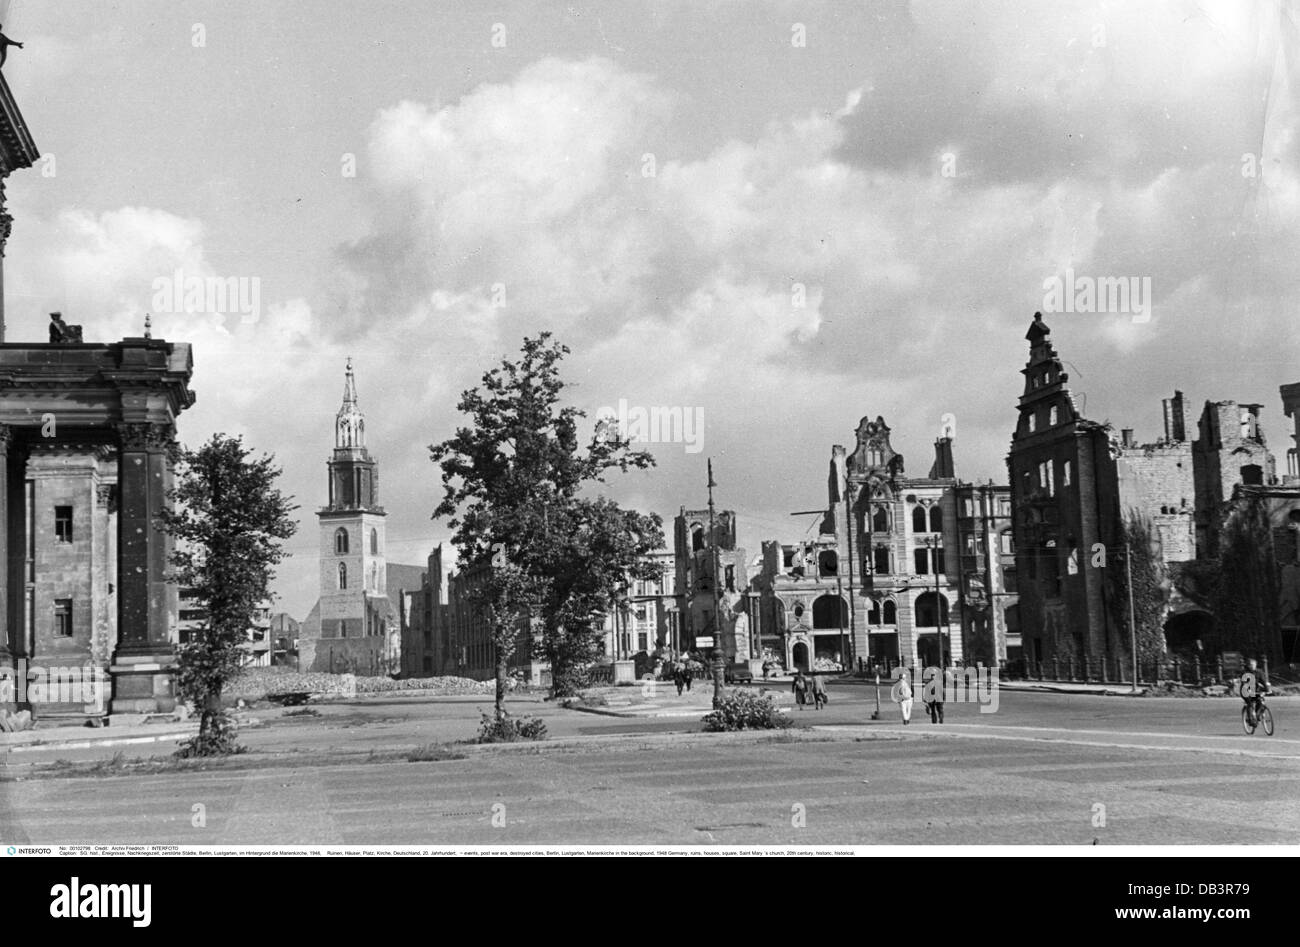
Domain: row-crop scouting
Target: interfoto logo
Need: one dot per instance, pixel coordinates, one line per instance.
(84, 685)
(977, 685)
(1108, 294)
(653, 425)
(78, 900)
(214, 295)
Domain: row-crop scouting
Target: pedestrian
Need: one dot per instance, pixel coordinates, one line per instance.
(679, 677)
(686, 673)
(800, 688)
(934, 688)
(819, 690)
(903, 689)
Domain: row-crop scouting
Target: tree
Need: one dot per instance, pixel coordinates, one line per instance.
(1247, 593)
(1151, 588)
(228, 519)
(513, 478)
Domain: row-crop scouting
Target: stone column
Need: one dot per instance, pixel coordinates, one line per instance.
(6, 227)
(145, 657)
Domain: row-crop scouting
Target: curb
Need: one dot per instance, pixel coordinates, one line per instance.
(106, 741)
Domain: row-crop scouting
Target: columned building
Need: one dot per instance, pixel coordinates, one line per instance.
(85, 431)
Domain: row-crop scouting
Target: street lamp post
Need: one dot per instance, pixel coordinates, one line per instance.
(1132, 613)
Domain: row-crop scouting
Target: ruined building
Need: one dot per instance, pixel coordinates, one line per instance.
(903, 569)
(697, 552)
(1065, 506)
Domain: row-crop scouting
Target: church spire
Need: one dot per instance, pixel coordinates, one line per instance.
(349, 423)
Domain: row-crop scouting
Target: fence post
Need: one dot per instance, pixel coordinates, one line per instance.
(1218, 662)
(1069, 665)
(1056, 667)
(1105, 671)
(1266, 667)
(1178, 670)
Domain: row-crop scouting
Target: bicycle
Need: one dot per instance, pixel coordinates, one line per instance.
(1262, 716)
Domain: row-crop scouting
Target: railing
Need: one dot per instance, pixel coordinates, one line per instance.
(1116, 669)
(601, 674)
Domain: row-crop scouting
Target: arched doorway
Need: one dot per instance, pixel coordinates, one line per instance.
(799, 655)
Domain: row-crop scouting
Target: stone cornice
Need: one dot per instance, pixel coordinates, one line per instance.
(17, 149)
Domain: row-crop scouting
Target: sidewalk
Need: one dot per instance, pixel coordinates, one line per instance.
(75, 737)
(1073, 687)
(658, 699)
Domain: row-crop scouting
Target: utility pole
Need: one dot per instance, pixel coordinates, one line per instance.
(716, 665)
(853, 608)
(713, 556)
(1132, 612)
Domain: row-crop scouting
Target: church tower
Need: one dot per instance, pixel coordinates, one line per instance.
(352, 565)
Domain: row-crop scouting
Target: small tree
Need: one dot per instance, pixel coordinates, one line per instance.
(228, 519)
(1151, 588)
(512, 480)
(507, 597)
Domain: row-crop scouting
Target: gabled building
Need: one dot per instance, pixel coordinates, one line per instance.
(1065, 503)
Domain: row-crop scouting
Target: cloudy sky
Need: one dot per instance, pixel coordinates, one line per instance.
(786, 215)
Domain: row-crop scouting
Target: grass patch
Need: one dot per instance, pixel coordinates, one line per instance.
(434, 753)
(302, 712)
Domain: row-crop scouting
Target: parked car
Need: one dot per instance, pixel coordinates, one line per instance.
(738, 674)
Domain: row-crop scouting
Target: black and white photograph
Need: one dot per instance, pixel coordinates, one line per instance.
(670, 427)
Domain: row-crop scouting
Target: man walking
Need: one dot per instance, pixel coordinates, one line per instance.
(819, 690)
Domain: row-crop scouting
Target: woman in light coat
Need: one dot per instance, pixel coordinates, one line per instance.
(903, 690)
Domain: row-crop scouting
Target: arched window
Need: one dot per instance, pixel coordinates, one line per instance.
(697, 538)
(873, 616)
(340, 541)
(828, 562)
(827, 615)
(891, 613)
(936, 519)
(374, 542)
(926, 613)
(343, 575)
(918, 519)
(880, 520)
(880, 563)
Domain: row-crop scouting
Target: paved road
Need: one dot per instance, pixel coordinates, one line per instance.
(1045, 769)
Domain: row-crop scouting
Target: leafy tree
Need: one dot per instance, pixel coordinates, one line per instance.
(1246, 595)
(228, 519)
(1151, 587)
(598, 554)
(513, 478)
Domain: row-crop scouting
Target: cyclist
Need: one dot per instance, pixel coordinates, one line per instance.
(1254, 685)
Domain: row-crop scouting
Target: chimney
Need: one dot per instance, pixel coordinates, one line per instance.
(1175, 419)
(943, 467)
(1127, 438)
